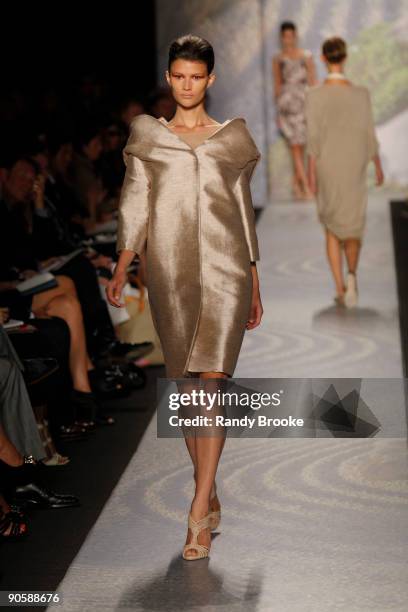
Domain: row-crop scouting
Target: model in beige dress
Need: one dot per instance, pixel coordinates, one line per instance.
(186, 210)
(341, 141)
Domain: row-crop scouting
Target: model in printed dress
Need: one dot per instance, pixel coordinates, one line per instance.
(293, 71)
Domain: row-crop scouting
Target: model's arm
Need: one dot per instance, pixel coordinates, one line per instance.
(246, 208)
(277, 77)
(132, 224)
(311, 71)
(256, 312)
(312, 140)
(115, 286)
(373, 145)
(378, 170)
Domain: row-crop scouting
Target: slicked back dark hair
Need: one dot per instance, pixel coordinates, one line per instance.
(287, 25)
(192, 48)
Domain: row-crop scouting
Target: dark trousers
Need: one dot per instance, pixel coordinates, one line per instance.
(52, 339)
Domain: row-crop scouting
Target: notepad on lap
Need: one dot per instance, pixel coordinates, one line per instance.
(13, 324)
(62, 260)
(37, 284)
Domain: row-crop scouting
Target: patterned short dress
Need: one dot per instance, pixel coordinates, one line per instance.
(291, 102)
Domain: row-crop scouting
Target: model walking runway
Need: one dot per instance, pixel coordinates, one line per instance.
(304, 334)
(299, 516)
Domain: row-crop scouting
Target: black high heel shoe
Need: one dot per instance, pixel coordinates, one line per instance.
(89, 411)
(85, 405)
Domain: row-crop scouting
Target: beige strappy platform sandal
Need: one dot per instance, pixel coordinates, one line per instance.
(196, 526)
(215, 515)
(351, 295)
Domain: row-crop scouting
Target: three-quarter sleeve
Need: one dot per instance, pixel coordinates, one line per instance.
(133, 206)
(372, 142)
(244, 197)
(312, 125)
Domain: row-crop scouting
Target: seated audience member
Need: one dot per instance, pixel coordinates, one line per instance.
(111, 162)
(34, 223)
(45, 341)
(16, 251)
(22, 483)
(84, 177)
(59, 189)
(16, 413)
(129, 109)
(161, 103)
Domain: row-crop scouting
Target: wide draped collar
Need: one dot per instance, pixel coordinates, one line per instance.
(148, 133)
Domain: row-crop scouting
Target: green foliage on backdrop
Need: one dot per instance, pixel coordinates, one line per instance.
(378, 60)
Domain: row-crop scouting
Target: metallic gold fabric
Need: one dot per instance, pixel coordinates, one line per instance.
(192, 211)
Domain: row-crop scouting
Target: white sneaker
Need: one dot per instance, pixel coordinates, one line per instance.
(351, 294)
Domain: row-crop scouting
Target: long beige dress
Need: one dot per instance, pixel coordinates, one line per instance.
(186, 202)
(341, 136)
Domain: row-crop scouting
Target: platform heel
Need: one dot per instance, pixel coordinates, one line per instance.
(195, 527)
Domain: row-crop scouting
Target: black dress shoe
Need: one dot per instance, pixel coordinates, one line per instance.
(123, 352)
(70, 433)
(33, 495)
(134, 377)
(107, 383)
(102, 420)
(37, 370)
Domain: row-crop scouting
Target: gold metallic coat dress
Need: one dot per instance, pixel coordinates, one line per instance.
(191, 210)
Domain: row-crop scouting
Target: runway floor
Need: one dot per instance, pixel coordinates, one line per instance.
(308, 525)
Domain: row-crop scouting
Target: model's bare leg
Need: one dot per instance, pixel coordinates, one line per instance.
(191, 440)
(300, 175)
(334, 255)
(205, 452)
(352, 248)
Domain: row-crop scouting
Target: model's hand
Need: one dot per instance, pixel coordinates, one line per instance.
(379, 175)
(256, 310)
(115, 287)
